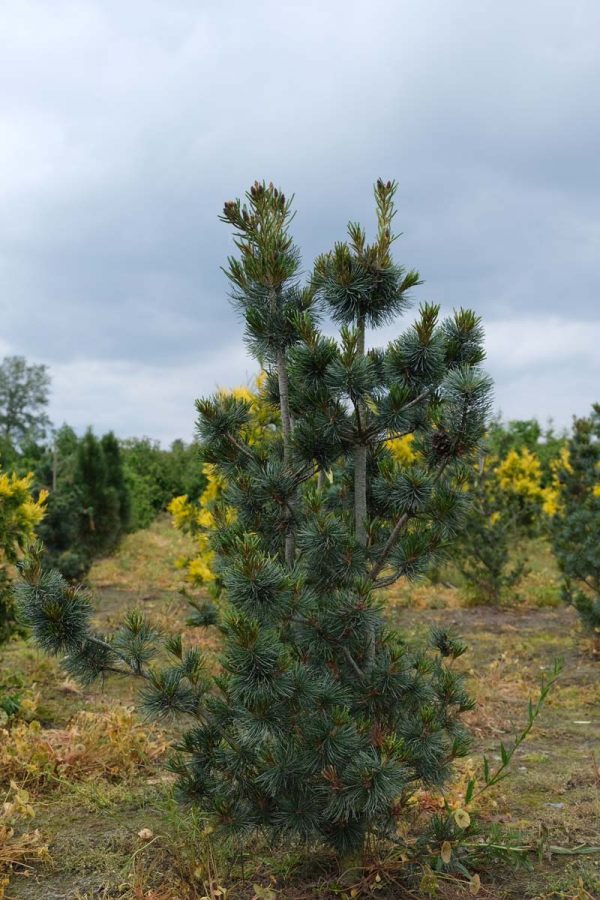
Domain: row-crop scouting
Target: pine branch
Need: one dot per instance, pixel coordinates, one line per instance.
(301, 620)
(244, 450)
(389, 546)
(397, 531)
(353, 662)
(373, 432)
(92, 639)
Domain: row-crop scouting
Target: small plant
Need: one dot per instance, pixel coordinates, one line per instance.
(460, 848)
(486, 551)
(576, 524)
(18, 700)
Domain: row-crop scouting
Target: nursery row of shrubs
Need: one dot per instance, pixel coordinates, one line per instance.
(98, 488)
(528, 484)
(79, 493)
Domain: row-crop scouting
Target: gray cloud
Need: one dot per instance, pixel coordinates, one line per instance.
(125, 126)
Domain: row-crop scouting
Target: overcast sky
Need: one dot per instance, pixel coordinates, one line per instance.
(125, 124)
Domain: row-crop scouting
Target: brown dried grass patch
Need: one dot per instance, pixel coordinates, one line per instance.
(113, 744)
(18, 849)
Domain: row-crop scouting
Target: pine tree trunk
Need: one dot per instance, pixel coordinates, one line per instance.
(286, 425)
(360, 489)
(360, 493)
(284, 404)
(360, 460)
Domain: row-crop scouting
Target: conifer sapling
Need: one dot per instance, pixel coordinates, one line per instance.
(576, 525)
(323, 722)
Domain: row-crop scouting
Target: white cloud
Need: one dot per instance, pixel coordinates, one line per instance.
(126, 125)
(524, 344)
(543, 368)
(137, 399)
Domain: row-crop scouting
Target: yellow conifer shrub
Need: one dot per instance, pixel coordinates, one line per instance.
(20, 514)
(551, 494)
(198, 517)
(520, 473)
(402, 450)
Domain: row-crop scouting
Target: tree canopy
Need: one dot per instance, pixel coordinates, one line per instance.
(24, 396)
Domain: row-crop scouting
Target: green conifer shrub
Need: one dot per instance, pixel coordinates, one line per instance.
(323, 722)
(576, 526)
(155, 475)
(514, 494)
(60, 529)
(489, 552)
(88, 506)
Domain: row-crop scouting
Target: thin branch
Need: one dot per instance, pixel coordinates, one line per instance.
(141, 674)
(305, 474)
(386, 582)
(300, 620)
(92, 639)
(373, 431)
(389, 546)
(397, 530)
(241, 447)
(353, 662)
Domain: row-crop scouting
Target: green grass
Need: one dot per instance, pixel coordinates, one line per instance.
(144, 564)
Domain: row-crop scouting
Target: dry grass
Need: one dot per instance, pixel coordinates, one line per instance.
(18, 848)
(539, 588)
(96, 771)
(145, 562)
(110, 744)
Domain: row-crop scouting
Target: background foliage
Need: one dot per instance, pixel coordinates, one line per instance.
(20, 514)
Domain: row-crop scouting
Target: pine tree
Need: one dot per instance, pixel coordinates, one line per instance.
(103, 494)
(489, 551)
(323, 722)
(116, 483)
(88, 504)
(60, 530)
(577, 523)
